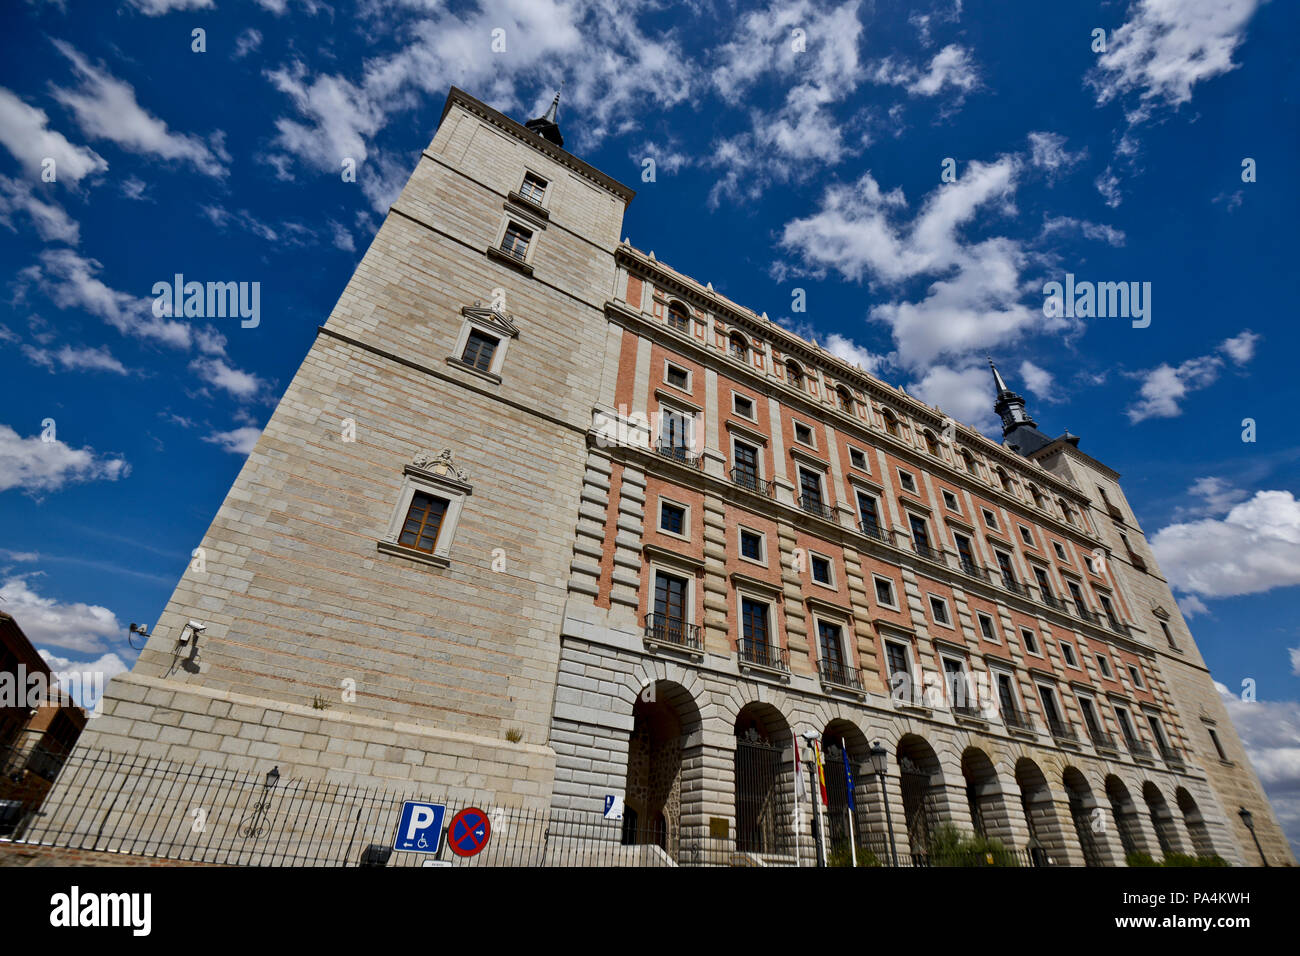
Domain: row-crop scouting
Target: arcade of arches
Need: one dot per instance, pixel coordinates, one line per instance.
(1057, 818)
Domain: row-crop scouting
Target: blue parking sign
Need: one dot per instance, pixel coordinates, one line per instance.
(420, 829)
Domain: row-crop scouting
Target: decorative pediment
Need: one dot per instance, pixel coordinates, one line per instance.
(492, 318)
(1160, 612)
(441, 465)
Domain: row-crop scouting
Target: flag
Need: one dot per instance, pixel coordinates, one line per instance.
(848, 776)
(821, 773)
(798, 774)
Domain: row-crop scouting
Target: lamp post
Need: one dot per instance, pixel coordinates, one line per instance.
(880, 763)
(1249, 820)
(811, 737)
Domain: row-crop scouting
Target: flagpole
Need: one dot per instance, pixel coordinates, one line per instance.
(851, 802)
(798, 817)
(821, 784)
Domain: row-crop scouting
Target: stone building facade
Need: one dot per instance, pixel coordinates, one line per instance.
(540, 519)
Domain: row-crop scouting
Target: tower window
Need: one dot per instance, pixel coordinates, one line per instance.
(423, 521)
(479, 349)
(533, 189)
(515, 242)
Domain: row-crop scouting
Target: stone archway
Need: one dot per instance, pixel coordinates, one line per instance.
(665, 728)
(1162, 819)
(764, 781)
(921, 782)
(1125, 814)
(843, 736)
(988, 811)
(1082, 807)
(1046, 839)
(1197, 829)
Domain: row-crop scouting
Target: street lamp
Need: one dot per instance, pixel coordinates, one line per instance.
(880, 763)
(1249, 820)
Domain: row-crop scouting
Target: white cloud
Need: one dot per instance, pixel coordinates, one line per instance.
(76, 359)
(24, 132)
(216, 372)
(951, 67)
(246, 43)
(76, 626)
(1254, 548)
(1219, 495)
(106, 108)
(341, 238)
(238, 441)
(157, 8)
(1108, 185)
(1047, 152)
(1165, 386)
(964, 394)
(85, 680)
(1190, 605)
(1098, 232)
(51, 222)
(34, 465)
(1038, 380)
(1166, 47)
(1294, 653)
(848, 350)
(1270, 732)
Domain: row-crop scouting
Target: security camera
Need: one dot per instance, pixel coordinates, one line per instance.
(192, 628)
(810, 735)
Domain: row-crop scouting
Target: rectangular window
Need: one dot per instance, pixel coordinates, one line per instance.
(479, 349)
(986, 628)
(744, 407)
(870, 515)
(950, 501)
(810, 489)
(885, 592)
(1125, 726)
(821, 569)
(920, 536)
(1169, 635)
(1104, 665)
(939, 609)
(1136, 674)
(1026, 536)
(1007, 698)
(858, 459)
(896, 659)
(423, 521)
(1214, 739)
(533, 189)
(1087, 563)
(677, 377)
(1158, 733)
(990, 519)
(753, 616)
(955, 677)
(1089, 717)
(751, 545)
(803, 434)
(964, 553)
(672, 518)
(1067, 651)
(832, 651)
(515, 241)
(1044, 585)
(746, 461)
(670, 602)
(1060, 551)
(678, 319)
(906, 481)
(1008, 573)
(1031, 642)
(675, 433)
(1050, 710)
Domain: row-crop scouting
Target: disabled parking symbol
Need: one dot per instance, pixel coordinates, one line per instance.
(420, 828)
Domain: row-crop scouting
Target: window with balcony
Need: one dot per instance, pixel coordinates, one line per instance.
(670, 621)
(920, 536)
(891, 422)
(844, 400)
(897, 660)
(745, 470)
(794, 375)
(1051, 713)
(1044, 586)
(515, 241)
(533, 188)
(1126, 728)
(833, 662)
(931, 443)
(810, 493)
(965, 556)
(676, 435)
(869, 515)
(1008, 703)
(1076, 595)
(959, 696)
(1007, 572)
(756, 643)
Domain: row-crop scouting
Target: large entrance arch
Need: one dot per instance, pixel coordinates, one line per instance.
(988, 812)
(1082, 807)
(665, 734)
(764, 781)
(839, 737)
(1162, 818)
(921, 780)
(1045, 832)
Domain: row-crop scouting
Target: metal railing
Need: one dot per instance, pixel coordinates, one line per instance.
(1062, 731)
(764, 655)
(1103, 741)
(679, 453)
(1014, 718)
(973, 569)
(1137, 748)
(1049, 599)
(924, 550)
(815, 506)
(1172, 756)
(1011, 584)
(1083, 613)
(872, 529)
(1116, 625)
(662, 629)
(751, 481)
(839, 674)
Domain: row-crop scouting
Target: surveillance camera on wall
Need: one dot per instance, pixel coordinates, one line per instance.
(192, 628)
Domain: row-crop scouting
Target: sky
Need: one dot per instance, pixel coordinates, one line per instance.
(898, 181)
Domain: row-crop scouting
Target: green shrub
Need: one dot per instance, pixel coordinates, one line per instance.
(838, 855)
(1140, 859)
(948, 847)
(1212, 859)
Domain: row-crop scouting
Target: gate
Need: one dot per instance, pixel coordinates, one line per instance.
(917, 808)
(1083, 828)
(761, 825)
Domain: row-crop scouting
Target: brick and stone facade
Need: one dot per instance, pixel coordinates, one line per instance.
(527, 660)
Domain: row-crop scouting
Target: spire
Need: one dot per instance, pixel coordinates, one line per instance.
(1019, 432)
(545, 125)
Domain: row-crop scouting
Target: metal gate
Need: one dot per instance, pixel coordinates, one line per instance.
(761, 824)
(1083, 828)
(918, 809)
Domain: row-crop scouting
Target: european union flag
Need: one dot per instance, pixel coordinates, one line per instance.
(848, 776)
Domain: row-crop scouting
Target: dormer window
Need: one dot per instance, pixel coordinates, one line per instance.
(890, 420)
(843, 399)
(678, 317)
(794, 374)
(931, 443)
(739, 347)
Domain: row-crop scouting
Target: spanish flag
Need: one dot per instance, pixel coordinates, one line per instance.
(821, 772)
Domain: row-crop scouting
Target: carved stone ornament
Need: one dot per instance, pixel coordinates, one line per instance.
(441, 465)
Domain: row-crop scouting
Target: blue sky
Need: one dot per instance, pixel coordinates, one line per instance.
(795, 146)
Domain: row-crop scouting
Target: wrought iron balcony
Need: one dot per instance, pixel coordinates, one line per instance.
(1049, 599)
(815, 506)
(1014, 718)
(738, 352)
(1062, 731)
(664, 629)
(925, 551)
(1084, 614)
(973, 569)
(840, 674)
(872, 529)
(1172, 756)
(764, 655)
(679, 453)
(1116, 625)
(1137, 748)
(967, 710)
(747, 479)
(1103, 741)
(1011, 584)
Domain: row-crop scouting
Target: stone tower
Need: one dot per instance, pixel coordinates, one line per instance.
(380, 592)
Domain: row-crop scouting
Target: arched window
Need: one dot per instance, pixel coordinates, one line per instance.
(1038, 495)
(678, 317)
(968, 462)
(931, 443)
(794, 374)
(739, 347)
(1005, 482)
(1066, 510)
(844, 399)
(890, 420)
